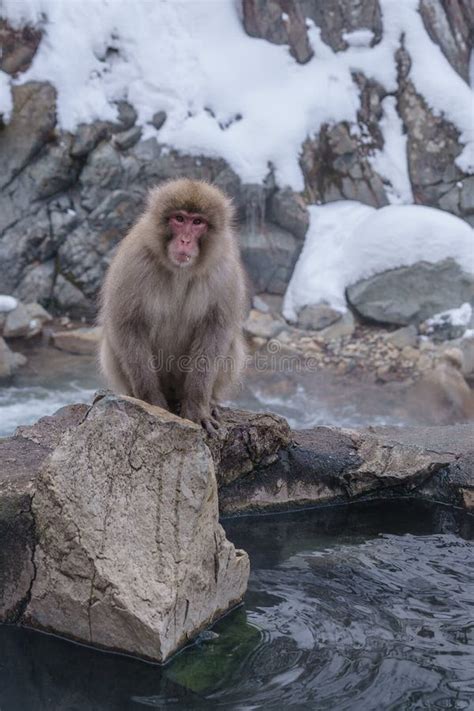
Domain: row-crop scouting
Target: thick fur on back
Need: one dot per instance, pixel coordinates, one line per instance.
(150, 309)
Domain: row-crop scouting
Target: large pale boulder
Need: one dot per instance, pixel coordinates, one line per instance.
(130, 555)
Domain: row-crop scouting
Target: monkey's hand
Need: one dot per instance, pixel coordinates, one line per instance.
(202, 416)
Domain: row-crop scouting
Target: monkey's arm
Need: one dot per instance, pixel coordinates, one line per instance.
(209, 348)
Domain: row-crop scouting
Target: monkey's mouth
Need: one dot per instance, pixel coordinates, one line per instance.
(182, 259)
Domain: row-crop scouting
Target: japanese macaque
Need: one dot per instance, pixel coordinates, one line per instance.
(173, 303)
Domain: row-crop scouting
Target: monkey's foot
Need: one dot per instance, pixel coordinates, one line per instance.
(211, 425)
(202, 417)
(215, 412)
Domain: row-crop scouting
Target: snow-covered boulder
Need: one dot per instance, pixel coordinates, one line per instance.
(399, 264)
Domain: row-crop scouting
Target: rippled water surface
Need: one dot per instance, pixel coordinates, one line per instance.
(362, 607)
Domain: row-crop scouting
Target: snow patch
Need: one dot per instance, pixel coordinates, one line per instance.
(6, 104)
(348, 241)
(454, 317)
(391, 162)
(358, 38)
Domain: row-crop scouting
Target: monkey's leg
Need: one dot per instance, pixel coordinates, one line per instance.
(111, 369)
(206, 352)
(228, 371)
(144, 377)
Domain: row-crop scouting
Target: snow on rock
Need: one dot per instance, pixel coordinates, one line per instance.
(391, 162)
(227, 94)
(455, 317)
(5, 97)
(433, 76)
(348, 241)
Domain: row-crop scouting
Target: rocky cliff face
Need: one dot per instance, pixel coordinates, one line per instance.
(67, 200)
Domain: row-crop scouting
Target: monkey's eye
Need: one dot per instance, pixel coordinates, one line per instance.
(197, 221)
(179, 218)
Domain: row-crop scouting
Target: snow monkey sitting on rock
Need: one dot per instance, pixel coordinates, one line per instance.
(173, 303)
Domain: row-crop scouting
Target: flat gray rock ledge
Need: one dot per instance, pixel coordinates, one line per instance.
(109, 529)
(329, 465)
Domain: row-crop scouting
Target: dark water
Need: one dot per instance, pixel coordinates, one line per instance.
(366, 608)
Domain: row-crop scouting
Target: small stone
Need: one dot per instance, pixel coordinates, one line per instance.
(259, 304)
(274, 302)
(80, 341)
(409, 353)
(405, 336)
(259, 324)
(344, 327)
(87, 137)
(284, 337)
(36, 311)
(127, 139)
(207, 636)
(313, 347)
(17, 322)
(158, 119)
(315, 317)
(7, 303)
(426, 345)
(126, 114)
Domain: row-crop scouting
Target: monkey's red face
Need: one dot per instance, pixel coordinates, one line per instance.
(186, 229)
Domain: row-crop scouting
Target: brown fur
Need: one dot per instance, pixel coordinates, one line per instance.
(151, 310)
